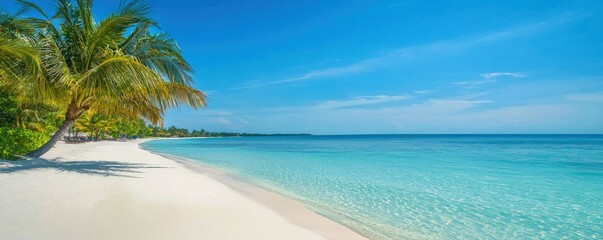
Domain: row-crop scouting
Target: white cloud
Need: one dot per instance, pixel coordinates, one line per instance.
(365, 115)
(442, 116)
(359, 101)
(210, 92)
(450, 105)
(494, 75)
(361, 66)
(336, 71)
(401, 54)
(473, 84)
(489, 78)
(213, 113)
(424, 91)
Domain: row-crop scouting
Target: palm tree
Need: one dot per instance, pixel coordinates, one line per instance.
(95, 125)
(113, 67)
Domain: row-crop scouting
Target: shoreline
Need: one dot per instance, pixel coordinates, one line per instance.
(291, 209)
(119, 190)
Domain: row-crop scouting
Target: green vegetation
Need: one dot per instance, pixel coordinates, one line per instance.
(173, 131)
(99, 127)
(95, 125)
(18, 141)
(64, 72)
(29, 115)
(119, 66)
(8, 110)
(24, 126)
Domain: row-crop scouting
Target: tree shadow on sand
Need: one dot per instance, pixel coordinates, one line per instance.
(99, 168)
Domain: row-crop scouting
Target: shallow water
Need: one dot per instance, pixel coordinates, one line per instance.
(425, 186)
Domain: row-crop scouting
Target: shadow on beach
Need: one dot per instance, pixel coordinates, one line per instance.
(100, 168)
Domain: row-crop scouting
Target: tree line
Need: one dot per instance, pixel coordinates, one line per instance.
(24, 127)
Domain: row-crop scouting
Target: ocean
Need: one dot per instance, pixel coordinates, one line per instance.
(424, 186)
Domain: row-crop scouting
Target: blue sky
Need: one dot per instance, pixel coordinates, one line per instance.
(335, 67)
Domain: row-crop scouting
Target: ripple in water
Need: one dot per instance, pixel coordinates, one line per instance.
(425, 186)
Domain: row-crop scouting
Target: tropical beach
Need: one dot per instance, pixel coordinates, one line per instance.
(260, 119)
(425, 186)
(115, 190)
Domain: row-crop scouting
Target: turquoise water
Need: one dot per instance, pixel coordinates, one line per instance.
(425, 186)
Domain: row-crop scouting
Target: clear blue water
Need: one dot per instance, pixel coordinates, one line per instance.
(425, 186)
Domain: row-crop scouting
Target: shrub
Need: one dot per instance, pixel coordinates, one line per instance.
(19, 141)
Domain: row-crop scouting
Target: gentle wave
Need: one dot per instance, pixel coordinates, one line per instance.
(425, 186)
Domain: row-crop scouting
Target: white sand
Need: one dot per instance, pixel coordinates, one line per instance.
(115, 190)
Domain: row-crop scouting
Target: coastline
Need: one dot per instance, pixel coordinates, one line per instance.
(117, 190)
(293, 211)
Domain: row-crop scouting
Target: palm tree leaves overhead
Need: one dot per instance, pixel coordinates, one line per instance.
(18, 58)
(13, 27)
(18, 63)
(118, 65)
(181, 93)
(161, 53)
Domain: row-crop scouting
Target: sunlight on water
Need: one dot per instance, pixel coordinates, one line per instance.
(425, 186)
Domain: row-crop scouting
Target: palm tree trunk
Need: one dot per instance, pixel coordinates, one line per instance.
(53, 140)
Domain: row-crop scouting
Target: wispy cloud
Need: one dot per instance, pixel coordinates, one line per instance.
(361, 66)
(449, 105)
(494, 75)
(424, 91)
(473, 84)
(437, 115)
(489, 78)
(213, 113)
(210, 92)
(408, 53)
(359, 101)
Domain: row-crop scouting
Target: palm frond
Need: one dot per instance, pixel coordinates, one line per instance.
(44, 23)
(119, 75)
(18, 62)
(112, 67)
(161, 53)
(111, 30)
(180, 93)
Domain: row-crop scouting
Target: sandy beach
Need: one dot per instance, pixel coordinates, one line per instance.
(115, 190)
